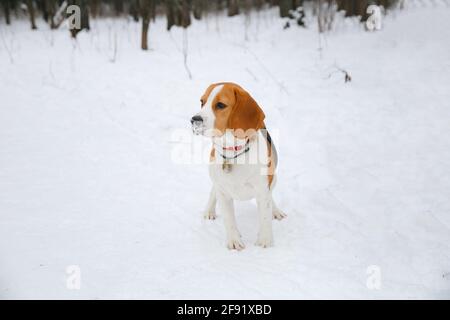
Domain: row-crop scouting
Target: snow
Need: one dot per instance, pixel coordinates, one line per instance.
(88, 176)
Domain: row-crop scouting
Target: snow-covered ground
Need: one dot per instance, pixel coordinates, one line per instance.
(88, 177)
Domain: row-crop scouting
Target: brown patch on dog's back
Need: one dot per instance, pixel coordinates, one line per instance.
(272, 156)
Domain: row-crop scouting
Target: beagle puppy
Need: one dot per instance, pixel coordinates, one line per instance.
(242, 161)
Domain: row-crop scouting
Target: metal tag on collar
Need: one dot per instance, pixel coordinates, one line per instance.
(226, 166)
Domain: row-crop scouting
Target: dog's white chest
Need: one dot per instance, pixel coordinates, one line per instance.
(238, 182)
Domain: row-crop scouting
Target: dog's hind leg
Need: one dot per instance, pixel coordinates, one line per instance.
(265, 237)
(210, 211)
(277, 213)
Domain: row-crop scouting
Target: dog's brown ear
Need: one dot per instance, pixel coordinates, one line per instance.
(246, 114)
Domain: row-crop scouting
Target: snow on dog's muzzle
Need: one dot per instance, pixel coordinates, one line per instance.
(197, 125)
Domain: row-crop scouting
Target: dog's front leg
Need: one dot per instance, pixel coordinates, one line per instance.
(210, 211)
(265, 237)
(226, 207)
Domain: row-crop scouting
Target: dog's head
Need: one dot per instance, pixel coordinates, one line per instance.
(227, 107)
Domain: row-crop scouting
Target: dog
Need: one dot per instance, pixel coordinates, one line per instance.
(243, 159)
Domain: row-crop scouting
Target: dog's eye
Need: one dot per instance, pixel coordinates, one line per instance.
(220, 105)
(201, 101)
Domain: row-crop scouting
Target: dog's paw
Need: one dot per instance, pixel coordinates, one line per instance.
(278, 214)
(265, 239)
(235, 243)
(210, 215)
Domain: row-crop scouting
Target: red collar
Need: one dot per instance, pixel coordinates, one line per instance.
(233, 148)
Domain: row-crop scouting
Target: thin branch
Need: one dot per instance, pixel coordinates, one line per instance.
(185, 52)
(7, 48)
(113, 59)
(252, 74)
(280, 84)
(347, 77)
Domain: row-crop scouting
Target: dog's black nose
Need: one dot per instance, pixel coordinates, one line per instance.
(196, 119)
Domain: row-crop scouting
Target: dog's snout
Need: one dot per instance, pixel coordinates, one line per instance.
(196, 118)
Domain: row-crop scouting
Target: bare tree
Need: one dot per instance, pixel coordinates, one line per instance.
(172, 13)
(7, 9)
(233, 7)
(185, 14)
(197, 8)
(118, 7)
(49, 10)
(146, 8)
(134, 10)
(247, 8)
(178, 13)
(30, 8)
(185, 22)
(285, 6)
(95, 6)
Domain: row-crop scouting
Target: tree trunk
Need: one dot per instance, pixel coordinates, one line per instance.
(153, 11)
(197, 8)
(170, 13)
(118, 7)
(185, 14)
(258, 4)
(95, 8)
(144, 41)
(134, 10)
(296, 4)
(178, 13)
(49, 12)
(233, 7)
(285, 6)
(146, 7)
(30, 7)
(361, 10)
(42, 6)
(7, 9)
